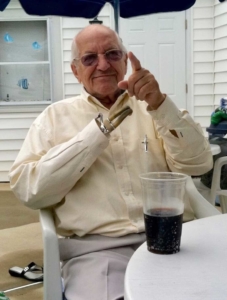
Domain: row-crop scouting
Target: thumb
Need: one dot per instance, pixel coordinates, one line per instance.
(123, 85)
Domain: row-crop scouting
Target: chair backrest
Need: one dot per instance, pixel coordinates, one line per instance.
(52, 271)
(201, 207)
(216, 179)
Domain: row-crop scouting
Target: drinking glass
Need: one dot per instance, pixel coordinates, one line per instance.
(163, 207)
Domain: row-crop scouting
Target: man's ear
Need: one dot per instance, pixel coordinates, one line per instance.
(75, 72)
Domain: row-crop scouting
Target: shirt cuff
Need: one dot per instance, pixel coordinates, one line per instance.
(167, 113)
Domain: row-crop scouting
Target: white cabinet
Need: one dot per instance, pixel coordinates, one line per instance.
(25, 64)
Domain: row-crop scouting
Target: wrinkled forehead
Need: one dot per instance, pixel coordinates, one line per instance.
(96, 40)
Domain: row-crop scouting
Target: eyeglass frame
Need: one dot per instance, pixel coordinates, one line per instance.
(97, 54)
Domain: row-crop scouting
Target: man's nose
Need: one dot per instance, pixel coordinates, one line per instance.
(103, 63)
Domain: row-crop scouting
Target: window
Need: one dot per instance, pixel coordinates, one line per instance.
(25, 71)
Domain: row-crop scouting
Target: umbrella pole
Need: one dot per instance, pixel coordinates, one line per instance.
(116, 14)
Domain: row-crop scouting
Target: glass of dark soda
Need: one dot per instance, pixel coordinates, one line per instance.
(163, 207)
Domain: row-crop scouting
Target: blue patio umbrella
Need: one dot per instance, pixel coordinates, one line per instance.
(91, 8)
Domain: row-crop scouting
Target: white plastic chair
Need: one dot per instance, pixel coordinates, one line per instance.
(211, 193)
(215, 186)
(52, 273)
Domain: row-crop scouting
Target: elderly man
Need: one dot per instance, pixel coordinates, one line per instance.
(83, 156)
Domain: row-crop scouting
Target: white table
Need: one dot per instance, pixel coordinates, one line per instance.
(215, 149)
(197, 272)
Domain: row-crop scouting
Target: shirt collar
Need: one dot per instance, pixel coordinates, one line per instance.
(120, 102)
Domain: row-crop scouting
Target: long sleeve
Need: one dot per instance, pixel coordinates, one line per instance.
(43, 174)
(92, 181)
(186, 148)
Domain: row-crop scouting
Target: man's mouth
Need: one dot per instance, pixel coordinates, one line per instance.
(103, 75)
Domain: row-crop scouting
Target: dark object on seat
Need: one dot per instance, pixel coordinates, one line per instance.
(91, 8)
(216, 136)
(218, 130)
(32, 272)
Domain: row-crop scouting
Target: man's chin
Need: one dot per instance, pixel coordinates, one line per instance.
(106, 88)
(104, 79)
(106, 92)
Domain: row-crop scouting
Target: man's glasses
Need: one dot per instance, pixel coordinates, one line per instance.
(91, 59)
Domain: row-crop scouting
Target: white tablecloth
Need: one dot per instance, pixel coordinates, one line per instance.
(197, 272)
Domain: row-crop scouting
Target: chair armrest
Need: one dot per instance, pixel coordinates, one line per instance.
(201, 207)
(215, 186)
(52, 271)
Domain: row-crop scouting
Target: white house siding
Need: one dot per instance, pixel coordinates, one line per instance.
(70, 27)
(209, 57)
(209, 68)
(14, 120)
(203, 60)
(13, 129)
(13, 126)
(220, 51)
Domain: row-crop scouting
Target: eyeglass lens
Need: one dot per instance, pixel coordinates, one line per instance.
(92, 59)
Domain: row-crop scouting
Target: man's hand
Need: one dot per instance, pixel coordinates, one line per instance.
(142, 84)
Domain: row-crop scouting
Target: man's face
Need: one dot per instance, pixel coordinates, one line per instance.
(101, 79)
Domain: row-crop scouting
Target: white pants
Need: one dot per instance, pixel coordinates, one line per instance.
(94, 266)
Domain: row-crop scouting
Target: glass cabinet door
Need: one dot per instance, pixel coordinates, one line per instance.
(24, 62)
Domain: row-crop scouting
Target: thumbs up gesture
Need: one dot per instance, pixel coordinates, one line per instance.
(142, 84)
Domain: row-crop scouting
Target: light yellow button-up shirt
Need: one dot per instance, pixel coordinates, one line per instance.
(92, 180)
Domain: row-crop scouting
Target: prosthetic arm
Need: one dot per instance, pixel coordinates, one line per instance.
(110, 123)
